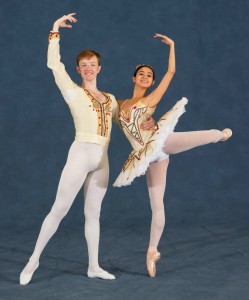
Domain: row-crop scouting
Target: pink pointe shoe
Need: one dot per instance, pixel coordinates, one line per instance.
(152, 258)
(228, 133)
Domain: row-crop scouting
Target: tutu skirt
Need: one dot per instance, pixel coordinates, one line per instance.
(139, 160)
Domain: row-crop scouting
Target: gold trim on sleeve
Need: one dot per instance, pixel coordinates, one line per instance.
(53, 35)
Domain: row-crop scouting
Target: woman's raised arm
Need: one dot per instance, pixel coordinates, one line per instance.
(156, 95)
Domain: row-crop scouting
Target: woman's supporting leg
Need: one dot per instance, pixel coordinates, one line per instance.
(181, 141)
(156, 181)
(72, 178)
(94, 191)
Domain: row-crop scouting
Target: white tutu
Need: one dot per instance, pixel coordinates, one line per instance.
(138, 161)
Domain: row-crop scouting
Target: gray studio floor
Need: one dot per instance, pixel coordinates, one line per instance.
(198, 262)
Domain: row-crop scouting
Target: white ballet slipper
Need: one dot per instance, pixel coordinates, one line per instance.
(100, 273)
(26, 277)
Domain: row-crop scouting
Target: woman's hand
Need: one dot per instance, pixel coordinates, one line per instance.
(62, 22)
(164, 38)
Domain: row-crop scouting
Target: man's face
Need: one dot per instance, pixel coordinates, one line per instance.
(88, 68)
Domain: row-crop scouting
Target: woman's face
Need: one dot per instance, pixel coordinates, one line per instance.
(88, 68)
(144, 77)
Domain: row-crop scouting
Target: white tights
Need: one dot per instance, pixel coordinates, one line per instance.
(156, 175)
(86, 164)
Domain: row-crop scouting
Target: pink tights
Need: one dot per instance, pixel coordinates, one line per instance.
(157, 172)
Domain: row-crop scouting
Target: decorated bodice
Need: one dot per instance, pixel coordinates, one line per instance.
(130, 121)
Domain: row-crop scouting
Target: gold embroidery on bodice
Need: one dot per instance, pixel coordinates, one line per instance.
(103, 110)
(131, 120)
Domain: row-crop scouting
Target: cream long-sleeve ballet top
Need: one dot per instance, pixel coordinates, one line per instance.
(92, 119)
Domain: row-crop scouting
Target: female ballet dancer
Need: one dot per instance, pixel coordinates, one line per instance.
(151, 149)
(87, 162)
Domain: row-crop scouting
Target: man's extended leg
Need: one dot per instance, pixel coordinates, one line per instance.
(72, 178)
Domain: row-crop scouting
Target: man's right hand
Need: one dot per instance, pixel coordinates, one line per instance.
(62, 22)
(148, 124)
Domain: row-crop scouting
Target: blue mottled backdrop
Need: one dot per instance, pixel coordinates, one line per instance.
(206, 185)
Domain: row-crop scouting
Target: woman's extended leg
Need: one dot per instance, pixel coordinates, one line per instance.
(181, 141)
(156, 181)
(72, 178)
(94, 191)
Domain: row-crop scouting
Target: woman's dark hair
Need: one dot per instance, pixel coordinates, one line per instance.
(141, 66)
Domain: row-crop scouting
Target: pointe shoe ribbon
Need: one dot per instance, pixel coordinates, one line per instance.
(228, 133)
(152, 258)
